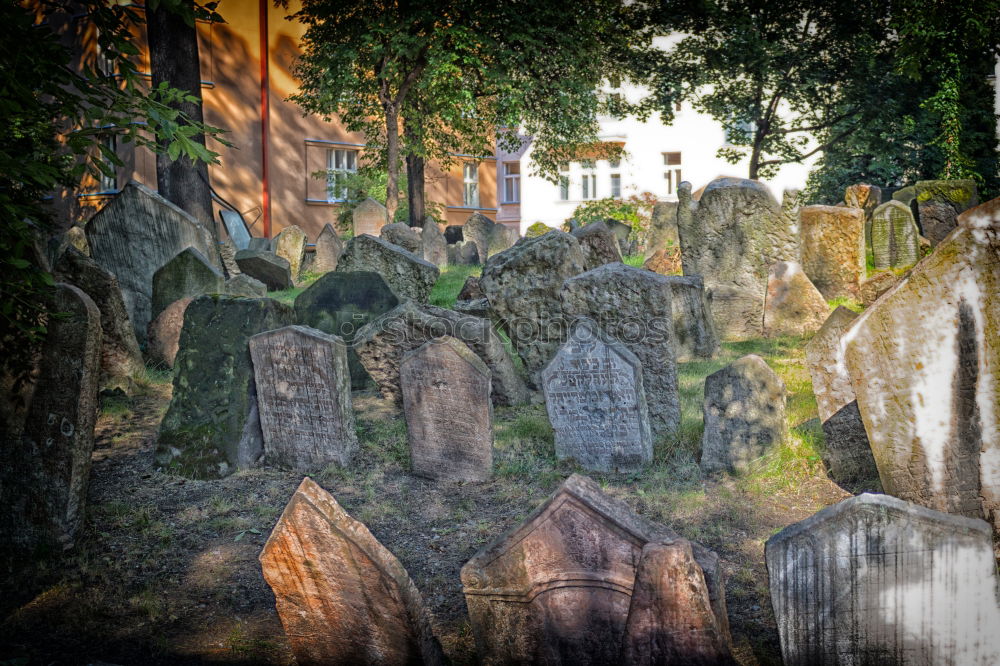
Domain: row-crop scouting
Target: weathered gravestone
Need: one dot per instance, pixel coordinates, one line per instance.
(939, 203)
(523, 285)
(876, 580)
(236, 228)
(186, 275)
(596, 403)
(833, 249)
(501, 238)
(694, 328)
(135, 234)
(290, 245)
(368, 217)
(622, 233)
(46, 471)
(634, 307)
(433, 243)
(744, 415)
(303, 398)
(923, 361)
(598, 243)
(477, 229)
(212, 427)
(163, 335)
(560, 588)
(846, 452)
(401, 234)
(341, 596)
(895, 239)
(274, 271)
(876, 285)
(662, 228)
(537, 229)
(245, 286)
(731, 237)
(381, 344)
(449, 416)
(342, 304)
(121, 360)
(793, 305)
(463, 253)
(327, 252)
(470, 289)
(407, 275)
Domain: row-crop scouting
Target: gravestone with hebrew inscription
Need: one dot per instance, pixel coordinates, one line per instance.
(894, 236)
(876, 580)
(304, 398)
(596, 403)
(368, 217)
(187, 275)
(449, 416)
(341, 596)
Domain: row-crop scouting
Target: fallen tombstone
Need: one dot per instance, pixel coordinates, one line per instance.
(793, 305)
(267, 267)
(833, 249)
(187, 274)
(407, 275)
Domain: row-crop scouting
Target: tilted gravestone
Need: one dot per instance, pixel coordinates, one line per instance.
(596, 403)
(939, 203)
(895, 239)
(561, 587)
(523, 286)
(327, 251)
(135, 234)
(401, 234)
(433, 243)
(368, 217)
(793, 304)
(731, 237)
(274, 271)
(876, 580)
(846, 451)
(694, 328)
(236, 228)
(46, 471)
(212, 427)
(662, 228)
(304, 398)
(342, 304)
(407, 275)
(290, 245)
(121, 360)
(923, 364)
(634, 307)
(186, 275)
(341, 596)
(598, 243)
(245, 286)
(833, 249)
(449, 416)
(381, 345)
(744, 415)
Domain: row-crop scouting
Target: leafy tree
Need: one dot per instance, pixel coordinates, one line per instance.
(636, 211)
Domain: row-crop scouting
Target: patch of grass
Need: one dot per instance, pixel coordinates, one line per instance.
(635, 260)
(117, 407)
(449, 283)
(848, 303)
(154, 376)
(288, 296)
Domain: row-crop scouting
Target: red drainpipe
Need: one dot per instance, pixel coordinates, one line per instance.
(265, 120)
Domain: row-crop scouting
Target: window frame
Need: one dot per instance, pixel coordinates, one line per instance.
(335, 191)
(470, 185)
(511, 183)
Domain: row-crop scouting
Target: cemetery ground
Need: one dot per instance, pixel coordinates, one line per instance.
(166, 568)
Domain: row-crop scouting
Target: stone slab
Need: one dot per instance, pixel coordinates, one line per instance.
(894, 236)
(274, 271)
(408, 275)
(368, 217)
(833, 249)
(186, 275)
(599, 245)
(793, 305)
(433, 242)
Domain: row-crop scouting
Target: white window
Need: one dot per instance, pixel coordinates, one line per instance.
(109, 181)
(339, 163)
(470, 180)
(511, 182)
(588, 188)
(672, 177)
(564, 181)
(616, 185)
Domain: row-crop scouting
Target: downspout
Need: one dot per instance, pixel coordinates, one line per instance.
(265, 118)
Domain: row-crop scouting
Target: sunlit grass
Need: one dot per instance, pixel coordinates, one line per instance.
(445, 291)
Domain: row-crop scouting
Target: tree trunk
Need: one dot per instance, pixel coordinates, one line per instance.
(414, 181)
(392, 161)
(173, 56)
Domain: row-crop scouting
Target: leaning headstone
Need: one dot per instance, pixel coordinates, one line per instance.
(744, 415)
(212, 427)
(236, 228)
(368, 217)
(596, 403)
(433, 243)
(876, 580)
(401, 234)
(245, 286)
(382, 344)
(342, 304)
(662, 228)
(163, 335)
(407, 275)
(558, 588)
(304, 398)
(694, 328)
(463, 253)
(734, 234)
(135, 234)
(477, 229)
(187, 274)
(267, 267)
(328, 250)
(894, 236)
(523, 285)
(598, 243)
(923, 364)
(634, 307)
(290, 245)
(121, 360)
(449, 416)
(45, 473)
(341, 596)
(833, 249)
(793, 305)
(846, 452)
(939, 203)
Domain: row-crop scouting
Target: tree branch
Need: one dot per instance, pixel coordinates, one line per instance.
(820, 148)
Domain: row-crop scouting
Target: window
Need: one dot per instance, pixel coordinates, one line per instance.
(339, 164)
(670, 159)
(108, 182)
(672, 177)
(589, 182)
(564, 188)
(616, 186)
(511, 182)
(470, 180)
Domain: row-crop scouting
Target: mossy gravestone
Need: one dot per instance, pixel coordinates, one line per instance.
(186, 275)
(212, 427)
(341, 304)
(939, 202)
(895, 239)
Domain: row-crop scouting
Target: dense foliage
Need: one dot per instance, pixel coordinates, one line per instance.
(636, 211)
